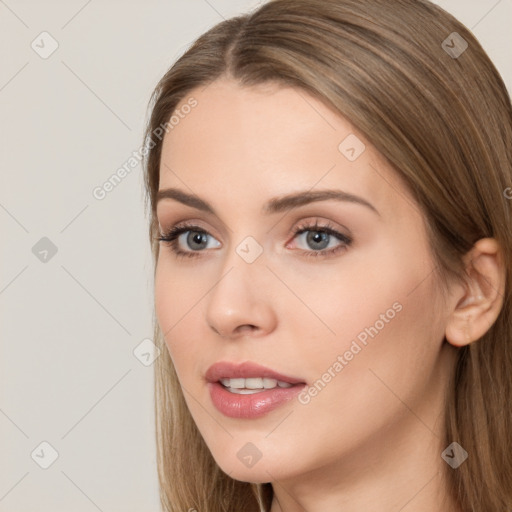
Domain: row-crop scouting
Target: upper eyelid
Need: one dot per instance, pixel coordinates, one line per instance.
(309, 209)
(296, 230)
(315, 223)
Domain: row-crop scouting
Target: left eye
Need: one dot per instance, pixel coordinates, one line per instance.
(316, 239)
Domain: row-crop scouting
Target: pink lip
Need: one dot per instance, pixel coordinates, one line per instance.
(246, 370)
(250, 405)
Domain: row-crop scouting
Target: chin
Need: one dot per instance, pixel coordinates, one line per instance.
(251, 476)
(259, 473)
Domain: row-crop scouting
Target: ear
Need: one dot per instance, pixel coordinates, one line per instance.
(481, 300)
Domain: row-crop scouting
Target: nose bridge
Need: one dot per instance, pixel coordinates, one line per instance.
(244, 256)
(238, 297)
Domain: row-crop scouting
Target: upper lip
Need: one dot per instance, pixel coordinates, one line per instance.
(245, 370)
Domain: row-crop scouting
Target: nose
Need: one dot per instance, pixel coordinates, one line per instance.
(239, 304)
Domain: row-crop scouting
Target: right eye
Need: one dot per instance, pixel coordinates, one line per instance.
(195, 236)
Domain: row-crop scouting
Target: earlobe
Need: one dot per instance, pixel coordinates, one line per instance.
(478, 307)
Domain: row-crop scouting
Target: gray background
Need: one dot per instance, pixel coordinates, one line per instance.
(70, 323)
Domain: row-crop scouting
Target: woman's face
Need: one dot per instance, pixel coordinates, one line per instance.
(354, 318)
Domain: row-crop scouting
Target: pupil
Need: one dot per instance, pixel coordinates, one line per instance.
(197, 237)
(316, 237)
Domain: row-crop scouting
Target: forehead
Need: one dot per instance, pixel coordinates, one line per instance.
(281, 118)
(241, 144)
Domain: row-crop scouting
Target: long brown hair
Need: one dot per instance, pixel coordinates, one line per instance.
(443, 120)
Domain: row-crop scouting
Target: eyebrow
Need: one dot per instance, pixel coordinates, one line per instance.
(274, 205)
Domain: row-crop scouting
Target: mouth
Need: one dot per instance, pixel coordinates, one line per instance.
(248, 376)
(249, 390)
(252, 385)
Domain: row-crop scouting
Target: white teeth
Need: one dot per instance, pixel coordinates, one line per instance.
(269, 383)
(253, 384)
(243, 391)
(237, 383)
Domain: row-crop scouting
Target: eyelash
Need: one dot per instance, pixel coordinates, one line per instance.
(170, 239)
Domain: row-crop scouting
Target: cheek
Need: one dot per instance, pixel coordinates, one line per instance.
(336, 305)
(385, 362)
(376, 310)
(165, 298)
(176, 292)
(387, 285)
(175, 298)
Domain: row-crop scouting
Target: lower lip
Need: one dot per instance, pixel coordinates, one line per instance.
(251, 405)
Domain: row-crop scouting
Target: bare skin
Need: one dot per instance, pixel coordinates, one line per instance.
(371, 439)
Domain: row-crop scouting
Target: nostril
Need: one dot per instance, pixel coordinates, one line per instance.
(246, 327)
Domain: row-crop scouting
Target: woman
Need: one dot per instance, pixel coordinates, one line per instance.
(329, 186)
